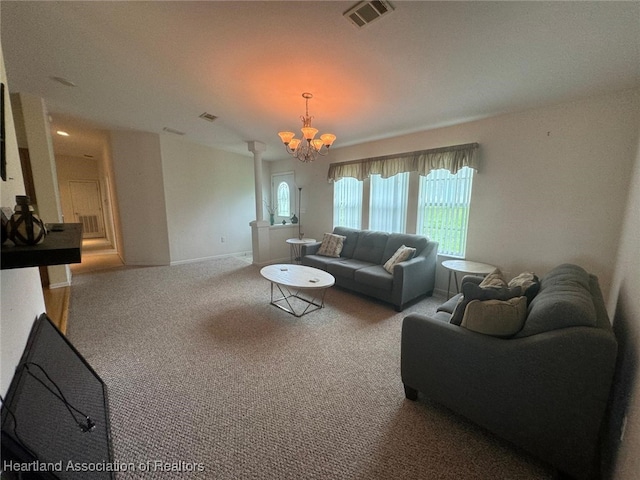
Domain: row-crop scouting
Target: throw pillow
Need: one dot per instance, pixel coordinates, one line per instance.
(403, 253)
(499, 318)
(331, 245)
(471, 291)
(529, 282)
(494, 280)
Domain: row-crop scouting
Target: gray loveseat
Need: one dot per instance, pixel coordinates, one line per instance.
(360, 265)
(545, 388)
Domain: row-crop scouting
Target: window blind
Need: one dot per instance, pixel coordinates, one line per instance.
(443, 209)
(388, 203)
(347, 203)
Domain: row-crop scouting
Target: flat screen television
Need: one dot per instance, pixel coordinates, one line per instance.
(55, 418)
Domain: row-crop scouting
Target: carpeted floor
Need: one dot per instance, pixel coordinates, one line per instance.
(204, 374)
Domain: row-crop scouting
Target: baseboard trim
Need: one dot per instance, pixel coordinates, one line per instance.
(442, 293)
(213, 257)
(272, 261)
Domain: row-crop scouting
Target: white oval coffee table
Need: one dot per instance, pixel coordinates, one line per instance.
(302, 289)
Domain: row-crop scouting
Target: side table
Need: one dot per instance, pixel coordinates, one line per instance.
(296, 247)
(465, 266)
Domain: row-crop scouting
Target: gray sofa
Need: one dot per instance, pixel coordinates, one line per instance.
(360, 265)
(545, 388)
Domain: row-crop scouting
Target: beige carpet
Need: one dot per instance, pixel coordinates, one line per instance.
(202, 371)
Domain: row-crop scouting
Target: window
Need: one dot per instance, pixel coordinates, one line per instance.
(388, 203)
(442, 206)
(347, 203)
(284, 200)
(443, 209)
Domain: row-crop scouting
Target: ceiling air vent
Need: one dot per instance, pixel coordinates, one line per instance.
(366, 12)
(208, 117)
(171, 130)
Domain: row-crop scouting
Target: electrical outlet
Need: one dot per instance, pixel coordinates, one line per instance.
(623, 428)
(222, 239)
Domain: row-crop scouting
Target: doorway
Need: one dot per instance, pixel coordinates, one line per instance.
(86, 201)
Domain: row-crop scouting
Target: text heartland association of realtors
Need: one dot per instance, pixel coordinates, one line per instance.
(71, 466)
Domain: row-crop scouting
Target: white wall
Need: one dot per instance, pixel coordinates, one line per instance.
(626, 324)
(139, 185)
(210, 198)
(551, 189)
(21, 299)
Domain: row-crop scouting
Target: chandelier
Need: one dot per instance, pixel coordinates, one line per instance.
(308, 148)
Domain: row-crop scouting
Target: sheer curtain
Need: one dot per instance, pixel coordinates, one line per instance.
(347, 203)
(388, 203)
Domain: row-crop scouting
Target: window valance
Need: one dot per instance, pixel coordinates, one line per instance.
(423, 161)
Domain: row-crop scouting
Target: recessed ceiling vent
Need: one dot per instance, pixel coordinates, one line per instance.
(171, 130)
(63, 81)
(208, 117)
(366, 12)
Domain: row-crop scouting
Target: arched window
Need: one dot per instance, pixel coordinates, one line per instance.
(284, 200)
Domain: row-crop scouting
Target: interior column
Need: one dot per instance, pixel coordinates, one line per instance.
(259, 227)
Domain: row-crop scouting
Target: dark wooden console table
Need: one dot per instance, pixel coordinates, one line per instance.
(61, 246)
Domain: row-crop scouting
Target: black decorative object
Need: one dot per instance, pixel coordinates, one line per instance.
(25, 227)
(294, 219)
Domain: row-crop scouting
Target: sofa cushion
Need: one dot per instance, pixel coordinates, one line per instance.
(375, 276)
(370, 246)
(450, 305)
(346, 267)
(499, 318)
(331, 245)
(396, 240)
(403, 253)
(564, 301)
(350, 241)
(318, 261)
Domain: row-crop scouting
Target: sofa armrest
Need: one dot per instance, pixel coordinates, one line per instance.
(546, 393)
(310, 248)
(415, 277)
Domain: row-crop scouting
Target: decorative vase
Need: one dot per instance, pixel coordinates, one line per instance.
(25, 227)
(294, 219)
(271, 219)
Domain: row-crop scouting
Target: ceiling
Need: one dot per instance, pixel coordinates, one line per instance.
(151, 65)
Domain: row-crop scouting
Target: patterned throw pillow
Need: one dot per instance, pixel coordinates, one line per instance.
(331, 245)
(403, 253)
(528, 282)
(494, 280)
